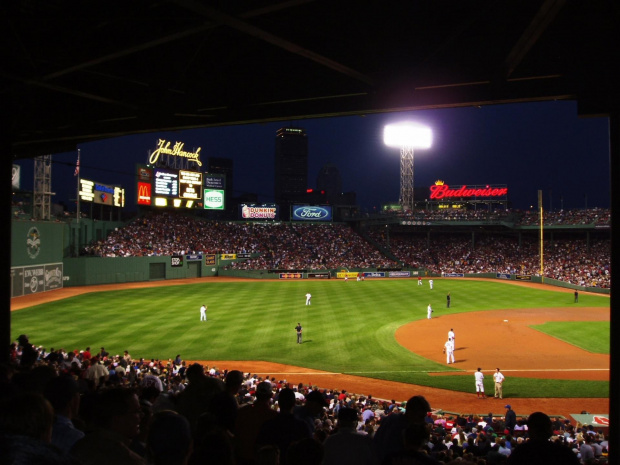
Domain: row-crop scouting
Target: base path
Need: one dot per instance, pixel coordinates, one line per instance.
(491, 342)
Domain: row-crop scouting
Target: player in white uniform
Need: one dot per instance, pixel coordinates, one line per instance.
(498, 377)
(479, 384)
(451, 336)
(203, 313)
(449, 350)
(308, 297)
(430, 283)
(429, 310)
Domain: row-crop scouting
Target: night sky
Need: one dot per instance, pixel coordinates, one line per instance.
(527, 147)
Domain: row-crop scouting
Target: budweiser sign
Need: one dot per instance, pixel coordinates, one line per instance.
(443, 191)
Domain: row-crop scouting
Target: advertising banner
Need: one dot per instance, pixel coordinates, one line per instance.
(193, 257)
(210, 259)
(291, 275)
(37, 278)
(53, 276)
(228, 256)
(214, 181)
(374, 274)
(309, 213)
(399, 274)
(319, 275)
(502, 275)
(258, 212)
(454, 275)
(176, 261)
(523, 277)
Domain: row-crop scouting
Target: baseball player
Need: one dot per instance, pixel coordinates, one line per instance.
(308, 297)
(430, 283)
(498, 377)
(480, 384)
(448, 349)
(451, 336)
(203, 313)
(419, 280)
(429, 311)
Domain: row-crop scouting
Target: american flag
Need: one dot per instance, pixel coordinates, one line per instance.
(77, 167)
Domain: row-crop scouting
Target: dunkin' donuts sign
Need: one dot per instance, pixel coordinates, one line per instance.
(443, 191)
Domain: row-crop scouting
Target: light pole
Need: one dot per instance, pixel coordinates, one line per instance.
(407, 136)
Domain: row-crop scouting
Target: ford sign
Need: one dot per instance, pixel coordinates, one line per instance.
(308, 213)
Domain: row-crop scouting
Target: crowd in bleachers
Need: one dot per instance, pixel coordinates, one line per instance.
(295, 246)
(568, 260)
(83, 407)
(591, 216)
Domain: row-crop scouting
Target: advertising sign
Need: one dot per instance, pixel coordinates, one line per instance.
(214, 199)
(103, 194)
(309, 213)
(258, 212)
(443, 191)
(190, 184)
(166, 182)
(215, 181)
(502, 275)
(228, 256)
(210, 259)
(15, 177)
(87, 190)
(144, 193)
(176, 260)
(193, 257)
(523, 277)
(319, 275)
(374, 274)
(399, 274)
(291, 275)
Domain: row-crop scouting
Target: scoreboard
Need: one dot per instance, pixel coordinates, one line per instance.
(166, 187)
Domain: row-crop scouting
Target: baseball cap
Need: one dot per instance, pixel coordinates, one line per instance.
(507, 406)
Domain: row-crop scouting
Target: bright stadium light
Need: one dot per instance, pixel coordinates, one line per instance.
(407, 136)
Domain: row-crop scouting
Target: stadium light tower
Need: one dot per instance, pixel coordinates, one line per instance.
(407, 136)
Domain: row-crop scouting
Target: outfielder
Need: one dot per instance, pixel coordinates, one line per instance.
(308, 297)
(429, 311)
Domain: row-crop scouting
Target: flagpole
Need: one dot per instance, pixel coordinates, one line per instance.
(77, 173)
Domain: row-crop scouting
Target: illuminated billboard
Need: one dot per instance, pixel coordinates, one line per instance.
(441, 191)
(311, 213)
(166, 182)
(103, 194)
(190, 185)
(144, 193)
(259, 212)
(214, 199)
(214, 181)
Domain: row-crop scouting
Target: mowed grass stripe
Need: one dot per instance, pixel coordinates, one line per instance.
(349, 327)
(593, 336)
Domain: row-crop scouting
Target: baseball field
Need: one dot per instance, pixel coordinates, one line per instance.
(369, 337)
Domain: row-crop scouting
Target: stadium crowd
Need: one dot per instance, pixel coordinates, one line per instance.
(295, 246)
(82, 407)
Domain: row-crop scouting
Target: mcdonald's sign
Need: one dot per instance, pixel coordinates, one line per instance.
(144, 193)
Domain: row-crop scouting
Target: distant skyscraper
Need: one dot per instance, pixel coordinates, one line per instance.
(291, 166)
(330, 181)
(217, 165)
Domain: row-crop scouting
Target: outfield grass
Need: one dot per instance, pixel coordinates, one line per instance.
(349, 328)
(592, 336)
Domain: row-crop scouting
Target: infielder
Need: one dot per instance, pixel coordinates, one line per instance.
(498, 377)
(429, 310)
(203, 313)
(308, 297)
(451, 336)
(448, 349)
(479, 384)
